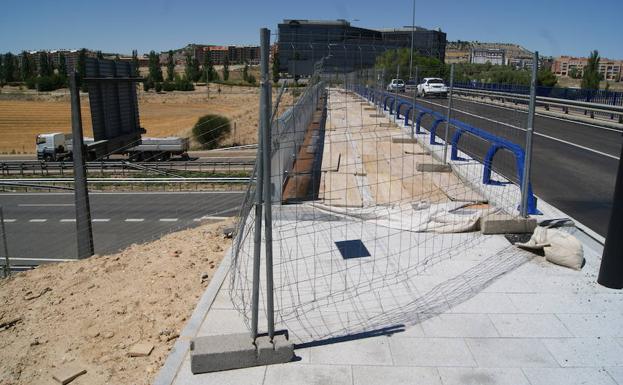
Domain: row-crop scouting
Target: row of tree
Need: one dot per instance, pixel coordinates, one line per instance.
(399, 60)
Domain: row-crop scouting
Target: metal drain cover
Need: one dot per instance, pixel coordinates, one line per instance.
(352, 249)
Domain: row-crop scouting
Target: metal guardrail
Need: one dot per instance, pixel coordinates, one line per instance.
(39, 167)
(27, 181)
(564, 104)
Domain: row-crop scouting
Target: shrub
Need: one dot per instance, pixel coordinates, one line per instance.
(209, 129)
(147, 85)
(158, 87)
(49, 83)
(168, 86)
(183, 84)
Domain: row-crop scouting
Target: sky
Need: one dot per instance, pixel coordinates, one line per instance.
(552, 27)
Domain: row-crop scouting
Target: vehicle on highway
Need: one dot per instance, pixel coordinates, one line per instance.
(410, 86)
(432, 87)
(396, 85)
(57, 146)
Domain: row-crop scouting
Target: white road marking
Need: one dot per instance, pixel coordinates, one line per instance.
(536, 133)
(46, 204)
(68, 220)
(37, 220)
(168, 219)
(9, 220)
(206, 218)
(134, 220)
(129, 193)
(101, 220)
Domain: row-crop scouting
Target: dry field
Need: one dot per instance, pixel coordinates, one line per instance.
(25, 114)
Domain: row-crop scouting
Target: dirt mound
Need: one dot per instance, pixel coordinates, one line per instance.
(89, 314)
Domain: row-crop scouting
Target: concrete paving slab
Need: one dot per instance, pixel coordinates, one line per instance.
(68, 373)
(308, 375)
(529, 325)
(616, 373)
(486, 303)
(431, 352)
(365, 351)
(568, 376)
(459, 325)
(481, 376)
(586, 352)
(395, 375)
(247, 376)
(594, 325)
(510, 353)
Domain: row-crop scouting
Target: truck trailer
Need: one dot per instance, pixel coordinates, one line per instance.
(58, 146)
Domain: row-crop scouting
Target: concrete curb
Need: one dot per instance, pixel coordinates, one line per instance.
(174, 360)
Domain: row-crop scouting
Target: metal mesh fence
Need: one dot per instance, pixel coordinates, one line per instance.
(365, 205)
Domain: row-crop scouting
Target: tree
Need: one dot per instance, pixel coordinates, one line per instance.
(574, 73)
(62, 68)
(45, 67)
(546, 78)
(226, 68)
(99, 55)
(1, 71)
(155, 72)
(212, 74)
(9, 67)
(82, 67)
(591, 78)
(276, 67)
(192, 68)
(135, 64)
(26, 69)
(170, 67)
(245, 72)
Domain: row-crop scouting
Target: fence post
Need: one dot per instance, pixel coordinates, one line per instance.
(5, 248)
(611, 269)
(84, 229)
(415, 80)
(265, 129)
(525, 181)
(448, 115)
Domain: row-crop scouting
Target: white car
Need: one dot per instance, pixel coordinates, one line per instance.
(432, 87)
(396, 85)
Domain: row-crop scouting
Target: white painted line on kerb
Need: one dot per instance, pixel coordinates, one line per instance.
(9, 220)
(168, 219)
(101, 220)
(37, 220)
(68, 220)
(536, 133)
(134, 220)
(46, 205)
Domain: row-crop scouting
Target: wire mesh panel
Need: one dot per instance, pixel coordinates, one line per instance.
(366, 206)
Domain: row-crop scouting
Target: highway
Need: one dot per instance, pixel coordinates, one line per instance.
(574, 164)
(42, 225)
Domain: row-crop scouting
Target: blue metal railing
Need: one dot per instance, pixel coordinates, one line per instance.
(612, 98)
(388, 100)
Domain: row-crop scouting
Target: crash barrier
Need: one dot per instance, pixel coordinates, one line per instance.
(496, 143)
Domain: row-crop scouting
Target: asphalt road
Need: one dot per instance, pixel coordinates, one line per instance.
(574, 165)
(42, 225)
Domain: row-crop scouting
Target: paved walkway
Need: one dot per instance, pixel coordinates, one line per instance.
(491, 314)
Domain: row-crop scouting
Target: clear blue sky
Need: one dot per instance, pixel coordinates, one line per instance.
(552, 27)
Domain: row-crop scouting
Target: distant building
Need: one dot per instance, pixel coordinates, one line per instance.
(343, 47)
(566, 65)
(235, 54)
(487, 55)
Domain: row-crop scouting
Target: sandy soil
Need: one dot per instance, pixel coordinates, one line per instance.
(89, 313)
(25, 114)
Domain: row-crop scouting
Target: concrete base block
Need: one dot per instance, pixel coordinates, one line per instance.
(235, 351)
(505, 224)
(403, 139)
(433, 167)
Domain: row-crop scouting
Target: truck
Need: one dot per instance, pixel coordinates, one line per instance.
(58, 146)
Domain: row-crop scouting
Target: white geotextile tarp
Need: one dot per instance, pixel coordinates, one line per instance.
(449, 217)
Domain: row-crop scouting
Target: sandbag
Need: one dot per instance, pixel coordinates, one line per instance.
(560, 248)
